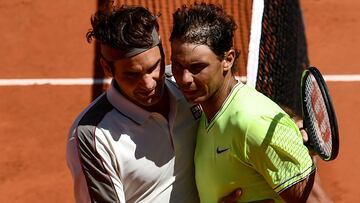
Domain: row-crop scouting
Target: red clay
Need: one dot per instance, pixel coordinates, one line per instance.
(45, 39)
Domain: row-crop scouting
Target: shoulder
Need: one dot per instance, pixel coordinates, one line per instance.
(96, 111)
(91, 115)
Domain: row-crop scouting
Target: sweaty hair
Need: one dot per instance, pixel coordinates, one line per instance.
(205, 24)
(124, 27)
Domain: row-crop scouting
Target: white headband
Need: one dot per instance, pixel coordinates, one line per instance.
(113, 54)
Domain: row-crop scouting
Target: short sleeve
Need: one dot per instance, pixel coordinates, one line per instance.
(275, 149)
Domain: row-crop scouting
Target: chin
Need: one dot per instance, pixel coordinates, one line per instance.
(148, 104)
(151, 102)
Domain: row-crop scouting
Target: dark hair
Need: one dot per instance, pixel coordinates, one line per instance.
(123, 27)
(207, 24)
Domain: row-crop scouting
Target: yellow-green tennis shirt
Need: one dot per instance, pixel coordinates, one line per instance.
(251, 144)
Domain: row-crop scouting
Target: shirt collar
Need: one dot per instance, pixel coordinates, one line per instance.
(133, 111)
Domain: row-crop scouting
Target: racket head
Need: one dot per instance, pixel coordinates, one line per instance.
(319, 115)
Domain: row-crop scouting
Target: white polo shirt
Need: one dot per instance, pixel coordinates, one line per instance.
(119, 152)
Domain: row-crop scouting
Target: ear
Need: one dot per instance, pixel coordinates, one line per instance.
(229, 59)
(106, 67)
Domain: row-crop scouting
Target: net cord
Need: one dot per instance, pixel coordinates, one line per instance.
(254, 44)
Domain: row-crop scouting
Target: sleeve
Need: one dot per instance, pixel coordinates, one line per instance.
(276, 151)
(81, 192)
(95, 177)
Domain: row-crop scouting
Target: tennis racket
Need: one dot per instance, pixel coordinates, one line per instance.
(319, 116)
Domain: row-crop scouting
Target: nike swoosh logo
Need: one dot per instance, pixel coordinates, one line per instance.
(219, 151)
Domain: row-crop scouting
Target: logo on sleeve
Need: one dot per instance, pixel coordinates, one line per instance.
(196, 111)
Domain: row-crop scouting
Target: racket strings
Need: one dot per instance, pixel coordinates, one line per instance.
(319, 125)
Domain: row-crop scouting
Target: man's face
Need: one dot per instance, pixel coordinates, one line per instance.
(141, 77)
(197, 70)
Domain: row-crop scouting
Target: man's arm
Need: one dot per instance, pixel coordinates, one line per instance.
(81, 192)
(300, 191)
(91, 167)
(317, 194)
(309, 190)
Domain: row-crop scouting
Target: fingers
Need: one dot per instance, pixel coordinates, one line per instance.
(306, 142)
(304, 134)
(233, 197)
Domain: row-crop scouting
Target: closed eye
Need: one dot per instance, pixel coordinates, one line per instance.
(197, 67)
(155, 66)
(136, 74)
(194, 68)
(132, 74)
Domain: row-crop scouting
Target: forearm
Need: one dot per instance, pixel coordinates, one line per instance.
(318, 194)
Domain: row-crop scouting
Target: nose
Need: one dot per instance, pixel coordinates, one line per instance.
(148, 82)
(185, 77)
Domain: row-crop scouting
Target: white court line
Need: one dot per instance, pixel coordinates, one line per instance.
(342, 78)
(97, 81)
(53, 81)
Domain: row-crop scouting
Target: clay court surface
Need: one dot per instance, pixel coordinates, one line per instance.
(45, 39)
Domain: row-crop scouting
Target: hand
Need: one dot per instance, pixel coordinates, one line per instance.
(235, 195)
(300, 124)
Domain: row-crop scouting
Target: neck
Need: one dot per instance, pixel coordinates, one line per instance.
(163, 106)
(215, 102)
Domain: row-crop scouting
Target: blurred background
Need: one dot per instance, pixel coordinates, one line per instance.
(46, 40)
